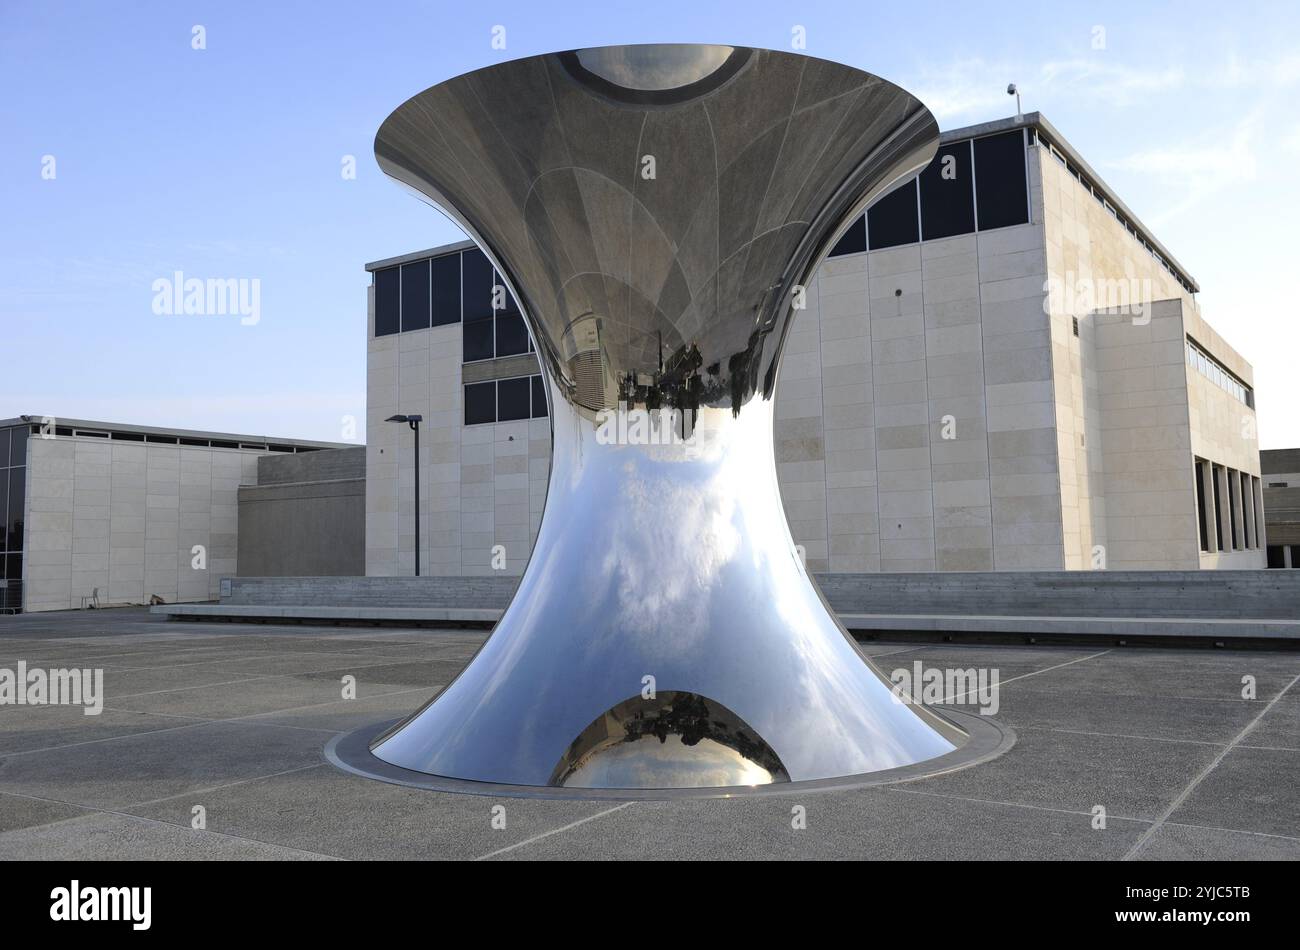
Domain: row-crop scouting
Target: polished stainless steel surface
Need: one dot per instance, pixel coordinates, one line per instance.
(656, 211)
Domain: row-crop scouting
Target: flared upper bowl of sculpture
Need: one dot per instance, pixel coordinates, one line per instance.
(659, 212)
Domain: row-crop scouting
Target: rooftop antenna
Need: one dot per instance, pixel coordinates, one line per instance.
(1013, 91)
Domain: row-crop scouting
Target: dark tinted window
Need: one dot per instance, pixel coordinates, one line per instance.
(480, 403)
(4, 447)
(1218, 507)
(1247, 528)
(892, 220)
(507, 298)
(539, 398)
(512, 399)
(1276, 556)
(415, 296)
(17, 487)
(477, 286)
(18, 446)
(1233, 501)
(478, 340)
(947, 198)
(854, 239)
(476, 291)
(1000, 180)
(14, 571)
(1202, 513)
(388, 301)
(512, 337)
(446, 290)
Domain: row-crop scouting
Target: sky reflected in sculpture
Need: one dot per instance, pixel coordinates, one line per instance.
(656, 211)
(654, 67)
(649, 763)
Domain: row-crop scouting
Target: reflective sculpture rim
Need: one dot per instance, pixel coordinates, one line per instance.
(989, 739)
(662, 571)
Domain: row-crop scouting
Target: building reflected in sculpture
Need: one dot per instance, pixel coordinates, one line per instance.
(657, 212)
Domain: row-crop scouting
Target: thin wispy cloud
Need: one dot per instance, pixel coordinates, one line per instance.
(976, 87)
(1214, 160)
(1226, 154)
(1237, 73)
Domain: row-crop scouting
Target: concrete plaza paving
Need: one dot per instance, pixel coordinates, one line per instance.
(234, 717)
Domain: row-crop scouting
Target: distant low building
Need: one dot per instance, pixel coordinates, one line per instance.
(106, 513)
(1281, 474)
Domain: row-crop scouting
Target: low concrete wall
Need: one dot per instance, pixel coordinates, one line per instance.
(305, 516)
(485, 591)
(1282, 515)
(1223, 595)
(1210, 595)
(327, 465)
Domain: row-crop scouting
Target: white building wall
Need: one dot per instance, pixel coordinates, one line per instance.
(480, 486)
(842, 374)
(959, 405)
(1067, 452)
(123, 517)
(914, 427)
(803, 426)
(1131, 414)
(900, 394)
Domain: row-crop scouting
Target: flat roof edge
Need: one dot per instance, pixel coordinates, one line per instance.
(420, 255)
(1032, 120)
(1039, 122)
(65, 421)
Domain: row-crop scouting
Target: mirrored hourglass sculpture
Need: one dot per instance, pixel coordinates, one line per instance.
(657, 212)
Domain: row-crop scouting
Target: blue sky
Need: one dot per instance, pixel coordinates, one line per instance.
(226, 162)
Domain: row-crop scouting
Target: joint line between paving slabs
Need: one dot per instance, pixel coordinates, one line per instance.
(554, 831)
(1046, 669)
(1214, 763)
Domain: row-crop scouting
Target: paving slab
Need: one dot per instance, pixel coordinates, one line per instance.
(1157, 717)
(870, 824)
(1173, 842)
(250, 697)
(18, 812)
(133, 769)
(1249, 790)
(235, 717)
(1191, 673)
(1131, 778)
(1279, 728)
(346, 715)
(105, 837)
(334, 812)
(27, 728)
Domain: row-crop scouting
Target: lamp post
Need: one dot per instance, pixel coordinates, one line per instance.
(414, 422)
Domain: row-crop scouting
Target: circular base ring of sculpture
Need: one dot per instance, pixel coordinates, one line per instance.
(988, 740)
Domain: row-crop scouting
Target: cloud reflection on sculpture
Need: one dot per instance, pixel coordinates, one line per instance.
(670, 564)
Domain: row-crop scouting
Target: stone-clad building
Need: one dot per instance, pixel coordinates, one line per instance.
(1282, 506)
(999, 368)
(102, 513)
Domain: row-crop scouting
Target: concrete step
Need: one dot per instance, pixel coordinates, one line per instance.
(984, 624)
(329, 614)
(1190, 595)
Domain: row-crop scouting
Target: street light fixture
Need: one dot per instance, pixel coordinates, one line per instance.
(414, 422)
